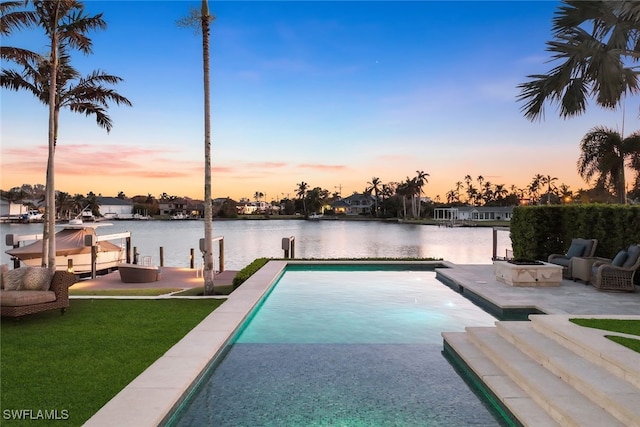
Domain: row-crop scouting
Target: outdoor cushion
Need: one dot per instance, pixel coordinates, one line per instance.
(20, 298)
(576, 249)
(634, 253)
(562, 261)
(3, 269)
(620, 258)
(36, 279)
(13, 278)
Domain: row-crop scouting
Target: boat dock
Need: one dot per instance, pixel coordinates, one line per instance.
(170, 278)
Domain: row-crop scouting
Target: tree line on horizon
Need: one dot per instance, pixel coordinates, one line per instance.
(403, 199)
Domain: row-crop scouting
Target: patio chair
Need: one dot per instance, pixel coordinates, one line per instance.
(618, 273)
(579, 248)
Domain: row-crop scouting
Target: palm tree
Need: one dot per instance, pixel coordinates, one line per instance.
(301, 192)
(593, 40)
(374, 185)
(201, 20)
(403, 190)
(534, 186)
(66, 27)
(603, 156)
(421, 180)
(12, 19)
(548, 180)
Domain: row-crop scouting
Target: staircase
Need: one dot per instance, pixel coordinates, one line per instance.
(551, 372)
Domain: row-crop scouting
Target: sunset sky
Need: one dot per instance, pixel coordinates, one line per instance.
(330, 93)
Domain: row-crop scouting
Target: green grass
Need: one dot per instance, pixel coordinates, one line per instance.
(79, 361)
(123, 292)
(626, 326)
(199, 291)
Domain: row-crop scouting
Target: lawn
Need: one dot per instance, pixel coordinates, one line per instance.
(626, 326)
(74, 364)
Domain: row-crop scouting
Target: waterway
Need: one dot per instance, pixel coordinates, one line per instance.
(246, 240)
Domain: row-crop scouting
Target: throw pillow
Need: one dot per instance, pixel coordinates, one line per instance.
(634, 253)
(13, 278)
(36, 279)
(575, 250)
(620, 258)
(3, 269)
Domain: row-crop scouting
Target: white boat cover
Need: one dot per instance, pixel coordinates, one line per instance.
(68, 242)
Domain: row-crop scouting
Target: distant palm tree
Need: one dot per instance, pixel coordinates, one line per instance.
(603, 156)
(548, 180)
(374, 185)
(593, 39)
(535, 185)
(301, 192)
(421, 180)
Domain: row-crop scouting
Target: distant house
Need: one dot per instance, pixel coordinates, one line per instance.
(12, 210)
(474, 213)
(173, 206)
(113, 207)
(355, 204)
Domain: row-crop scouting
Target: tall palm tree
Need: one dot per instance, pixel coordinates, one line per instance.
(603, 155)
(593, 40)
(65, 26)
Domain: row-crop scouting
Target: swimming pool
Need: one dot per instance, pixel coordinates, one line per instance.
(344, 346)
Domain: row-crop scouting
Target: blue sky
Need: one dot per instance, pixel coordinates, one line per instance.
(330, 93)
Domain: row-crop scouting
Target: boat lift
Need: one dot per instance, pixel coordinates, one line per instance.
(90, 240)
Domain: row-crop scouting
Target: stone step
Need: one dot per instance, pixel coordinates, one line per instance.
(617, 396)
(566, 405)
(512, 397)
(592, 345)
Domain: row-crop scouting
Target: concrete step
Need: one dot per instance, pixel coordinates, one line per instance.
(566, 405)
(592, 344)
(615, 395)
(512, 397)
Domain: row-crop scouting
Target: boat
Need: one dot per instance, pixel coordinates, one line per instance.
(32, 216)
(70, 245)
(315, 216)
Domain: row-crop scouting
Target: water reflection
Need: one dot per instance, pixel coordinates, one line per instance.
(246, 240)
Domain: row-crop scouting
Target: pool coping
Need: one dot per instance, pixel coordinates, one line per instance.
(152, 397)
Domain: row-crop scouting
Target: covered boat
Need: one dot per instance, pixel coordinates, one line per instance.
(70, 244)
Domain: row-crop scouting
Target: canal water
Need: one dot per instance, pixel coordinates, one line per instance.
(246, 240)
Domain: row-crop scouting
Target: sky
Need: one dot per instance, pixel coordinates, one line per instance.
(329, 93)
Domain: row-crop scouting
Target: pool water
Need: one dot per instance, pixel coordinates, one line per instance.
(336, 347)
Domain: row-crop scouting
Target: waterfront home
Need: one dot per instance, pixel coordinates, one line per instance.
(474, 213)
(12, 210)
(175, 206)
(355, 204)
(113, 207)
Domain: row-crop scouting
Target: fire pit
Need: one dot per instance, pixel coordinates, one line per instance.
(527, 273)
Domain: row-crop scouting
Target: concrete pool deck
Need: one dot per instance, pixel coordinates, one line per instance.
(153, 395)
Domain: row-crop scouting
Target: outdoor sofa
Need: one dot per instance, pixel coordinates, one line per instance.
(29, 290)
(579, 248)
(618, 273)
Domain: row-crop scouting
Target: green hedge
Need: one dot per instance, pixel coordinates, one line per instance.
(537, 231)
(248, 271)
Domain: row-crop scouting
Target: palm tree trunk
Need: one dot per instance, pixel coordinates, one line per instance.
(50, 186)
(622, 190)
(208, 215)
